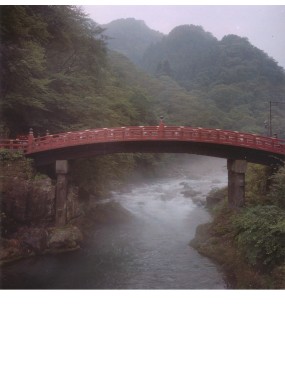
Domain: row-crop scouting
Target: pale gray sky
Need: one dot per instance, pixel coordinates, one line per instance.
(263, 25)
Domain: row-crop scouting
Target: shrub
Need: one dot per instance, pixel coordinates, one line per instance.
(10, 155)
(260, 234)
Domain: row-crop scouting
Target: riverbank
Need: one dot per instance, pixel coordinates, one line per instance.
(28, 241)
(217, 241)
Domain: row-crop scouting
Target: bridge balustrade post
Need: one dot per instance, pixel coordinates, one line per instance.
(30, 140)
(236, 183)
(62, 169)
(161, 127)
(123, 132)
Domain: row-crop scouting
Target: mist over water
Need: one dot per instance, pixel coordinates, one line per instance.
(151, 251)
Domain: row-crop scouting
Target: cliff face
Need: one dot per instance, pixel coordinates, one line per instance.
(29, 201)
(28, 212)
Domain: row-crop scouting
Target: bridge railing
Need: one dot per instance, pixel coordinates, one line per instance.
(161, 132)
(21, 145)
(232, 138)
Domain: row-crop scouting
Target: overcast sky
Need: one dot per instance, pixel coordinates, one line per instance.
(264, 26)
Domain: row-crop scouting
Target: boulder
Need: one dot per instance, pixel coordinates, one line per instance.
(189, 193)
(10, 249)
(64, 239)
(35, 240)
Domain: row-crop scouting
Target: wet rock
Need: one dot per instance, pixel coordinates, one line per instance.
(215, 197)
(184, 184)
(64, 239)
(199, 200)
(190, 193)
(34, 239)
(10, 249)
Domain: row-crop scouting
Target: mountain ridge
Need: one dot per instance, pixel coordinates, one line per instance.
(235, 79)
(130, 37)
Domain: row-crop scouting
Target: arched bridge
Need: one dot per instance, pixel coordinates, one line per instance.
(237, 147)
(161, 139)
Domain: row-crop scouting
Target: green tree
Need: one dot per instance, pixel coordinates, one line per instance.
(257, 184)
(24, 83)
(276, 193)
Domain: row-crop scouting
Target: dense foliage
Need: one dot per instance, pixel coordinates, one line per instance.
(52, 58)
(261, 235)
(260, 227)
(257, 184)
(56, 76)
(276, 193)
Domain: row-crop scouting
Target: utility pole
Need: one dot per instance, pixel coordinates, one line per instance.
(270, 114)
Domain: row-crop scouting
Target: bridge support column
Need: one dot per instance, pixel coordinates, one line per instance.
(61, 168)
(236, 183)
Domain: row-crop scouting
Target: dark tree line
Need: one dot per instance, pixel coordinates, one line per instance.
(56, 74)
(51, 59)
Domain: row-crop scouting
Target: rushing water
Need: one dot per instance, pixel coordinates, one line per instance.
(151, 251)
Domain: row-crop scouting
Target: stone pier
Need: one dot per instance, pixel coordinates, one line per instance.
(61, 168)
(236, 183)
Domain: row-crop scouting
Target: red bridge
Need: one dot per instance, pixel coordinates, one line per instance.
(160, 139)
(237, 147)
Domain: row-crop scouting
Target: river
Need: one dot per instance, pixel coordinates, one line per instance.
(150, 251)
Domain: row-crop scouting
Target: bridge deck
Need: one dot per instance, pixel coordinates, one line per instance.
(51, 143)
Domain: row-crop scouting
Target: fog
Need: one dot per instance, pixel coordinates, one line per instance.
(263, 25)
(149, 249)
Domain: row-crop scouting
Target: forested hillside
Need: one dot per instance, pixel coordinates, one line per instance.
(164, 96)
(56, 74)
(52, 59)
(228, 83)
(130, 37)
(59, 74)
